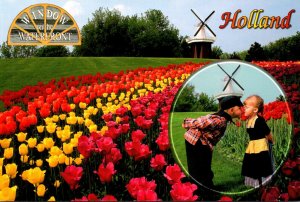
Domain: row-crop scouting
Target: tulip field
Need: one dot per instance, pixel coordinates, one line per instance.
(105, 137)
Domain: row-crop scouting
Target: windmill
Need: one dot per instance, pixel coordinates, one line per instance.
(201, 41)
(228, 89)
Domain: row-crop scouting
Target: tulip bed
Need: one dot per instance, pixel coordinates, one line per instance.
(105, 137)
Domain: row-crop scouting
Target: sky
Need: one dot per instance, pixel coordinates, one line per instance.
(253, 80)
(179, 14)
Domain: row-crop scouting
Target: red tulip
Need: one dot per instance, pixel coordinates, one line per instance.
(72, 176)
(183, 192)
(294, 190)
(106, 172)
(173, 174)
(270, 194)
(158, 162)
(85, 146)
(137, 184)
(109, 198)
(225, 198)
(105, 144)
(114, 156)
(146, 195)
(137, 135)
(163, 141)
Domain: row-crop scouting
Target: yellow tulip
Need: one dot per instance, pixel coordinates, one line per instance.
(118, 119)
(78, 161)
(93, 128)
(31, 162)
(86, 114)
(74, 141)
(40, 147)
(24, 158)
(36, 176)
(1, 161)
(52, 198)
(72, 106)
(103, 130)
(39, 162)
(78, 134)
(105, 94)
(98, 100)
(80, 120)
(62, 116)
(51, 127)
(99, 105)
(82, 105)
(48, 142)
(109, 99)
(61, 158)
(88, 122)
(21, 136)
(56, 183)
(4, 181)
(23, 149)
(53, 161)
(8, 194)
(11, 170)
(48, 120)
(66, 135)
(59, 133)
(68, 161)
(32, 142)
(40, 129)
(5, 143)
(55, 118)
(41, 189)
(67, 148)
(95, 111)
(55, 151)
(8, 153)
(72, 120)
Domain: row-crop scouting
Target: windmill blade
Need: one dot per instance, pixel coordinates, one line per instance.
(231, 77)
(224, 71)
(198, 30)
(209, 16)
(237, 84)
(235, 70)
(197, 16)
(210, 30)
(227, 83)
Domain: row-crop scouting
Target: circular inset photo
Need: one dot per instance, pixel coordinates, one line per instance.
(230, 127)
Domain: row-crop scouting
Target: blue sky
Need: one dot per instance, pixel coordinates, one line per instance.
(179, 14)
(254, 80)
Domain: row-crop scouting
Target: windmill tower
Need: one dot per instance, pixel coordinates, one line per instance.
(201, 41)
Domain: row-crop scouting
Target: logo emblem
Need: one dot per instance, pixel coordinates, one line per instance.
(44, 24)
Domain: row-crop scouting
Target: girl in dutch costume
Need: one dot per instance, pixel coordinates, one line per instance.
(257, 165)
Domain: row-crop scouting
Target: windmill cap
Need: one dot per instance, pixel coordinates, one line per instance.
(230, 101)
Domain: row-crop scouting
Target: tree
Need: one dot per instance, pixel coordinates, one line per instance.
(52, 51)
(187, 100)
(109, 33)
(6, 50)
(216, 52)
(256, 52)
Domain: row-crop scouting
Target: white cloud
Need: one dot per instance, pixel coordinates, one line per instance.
(122, 8)
(73, 7)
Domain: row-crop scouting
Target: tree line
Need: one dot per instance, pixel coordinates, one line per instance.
(151, 34)
(190, 101)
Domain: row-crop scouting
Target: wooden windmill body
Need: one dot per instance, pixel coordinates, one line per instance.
(201, 41)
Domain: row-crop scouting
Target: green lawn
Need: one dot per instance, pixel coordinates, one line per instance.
(227, 171)
(19, 72)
